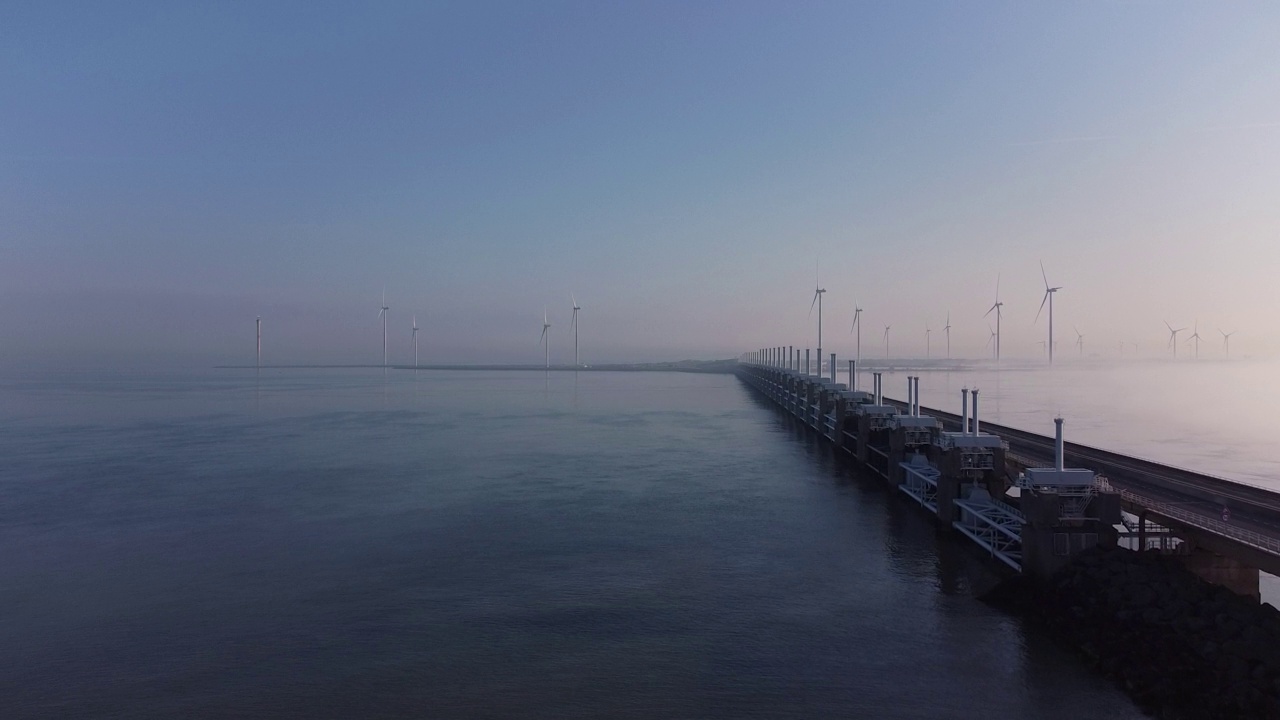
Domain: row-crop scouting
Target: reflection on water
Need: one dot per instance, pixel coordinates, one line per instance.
(430, 544)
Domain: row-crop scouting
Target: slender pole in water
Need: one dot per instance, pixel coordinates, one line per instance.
(259, 341)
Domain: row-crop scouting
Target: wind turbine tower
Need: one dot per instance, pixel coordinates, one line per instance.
(817, 299)
(947, 329)
(1195, 335)
(544, 341)
(886, 342)
(997, 308)
(574, 324)
(1173, 338)
(1049, 292)
(383, 314)
(415, 342)
(857, 325)
(1079, 340)
(928, 346)
(1226, 341)
(259, 341)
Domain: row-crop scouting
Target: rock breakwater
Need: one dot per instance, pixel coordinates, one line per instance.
(1182, 648)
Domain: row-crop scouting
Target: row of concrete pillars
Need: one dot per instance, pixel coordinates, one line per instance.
(789, 357)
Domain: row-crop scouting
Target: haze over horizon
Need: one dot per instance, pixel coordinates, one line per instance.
(168, 173)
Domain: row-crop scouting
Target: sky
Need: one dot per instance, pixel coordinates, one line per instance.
(687, 170)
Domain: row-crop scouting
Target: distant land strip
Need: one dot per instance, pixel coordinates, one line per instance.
(693, 366)
(890, 365)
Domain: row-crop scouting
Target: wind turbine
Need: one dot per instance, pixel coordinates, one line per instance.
(1049, 292)
(259, 341)
(886, 342)
(573, 322)
(996, 307)
(947, 329)
(1043, 344)
(857, 325)
(1079, 340)
(415, 342)
(928, 348)
(817, 299)
(383, 314)
(992, 339)
(1226, 341)
(544, 341)
(1173, 338)
(1195, 335)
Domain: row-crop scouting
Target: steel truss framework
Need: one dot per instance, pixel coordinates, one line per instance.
(921, 484)
(994, 526)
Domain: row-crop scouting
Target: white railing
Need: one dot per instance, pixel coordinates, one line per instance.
(1239, 534)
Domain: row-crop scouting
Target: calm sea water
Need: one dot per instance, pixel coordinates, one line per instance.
(340, 544)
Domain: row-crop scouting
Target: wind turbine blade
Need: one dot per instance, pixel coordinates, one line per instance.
(997, 288)
(1043, 275)
(815, 302)
(988, 312)
(1166, 324)
(1042, 302)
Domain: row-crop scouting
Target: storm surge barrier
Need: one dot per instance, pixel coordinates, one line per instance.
(1029, 501)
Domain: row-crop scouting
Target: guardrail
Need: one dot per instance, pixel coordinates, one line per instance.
(1255, 540)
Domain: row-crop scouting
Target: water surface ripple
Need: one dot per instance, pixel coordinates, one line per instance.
(339, 544)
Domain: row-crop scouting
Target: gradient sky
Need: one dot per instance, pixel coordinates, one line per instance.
(168, 171)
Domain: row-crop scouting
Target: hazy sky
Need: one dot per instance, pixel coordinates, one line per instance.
(169, 171)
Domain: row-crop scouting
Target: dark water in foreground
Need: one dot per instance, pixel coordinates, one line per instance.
(336, 545)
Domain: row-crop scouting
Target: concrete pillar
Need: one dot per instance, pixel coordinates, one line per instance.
(806, 361)
(837, 432)
(833, 367)
(1227, 572)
